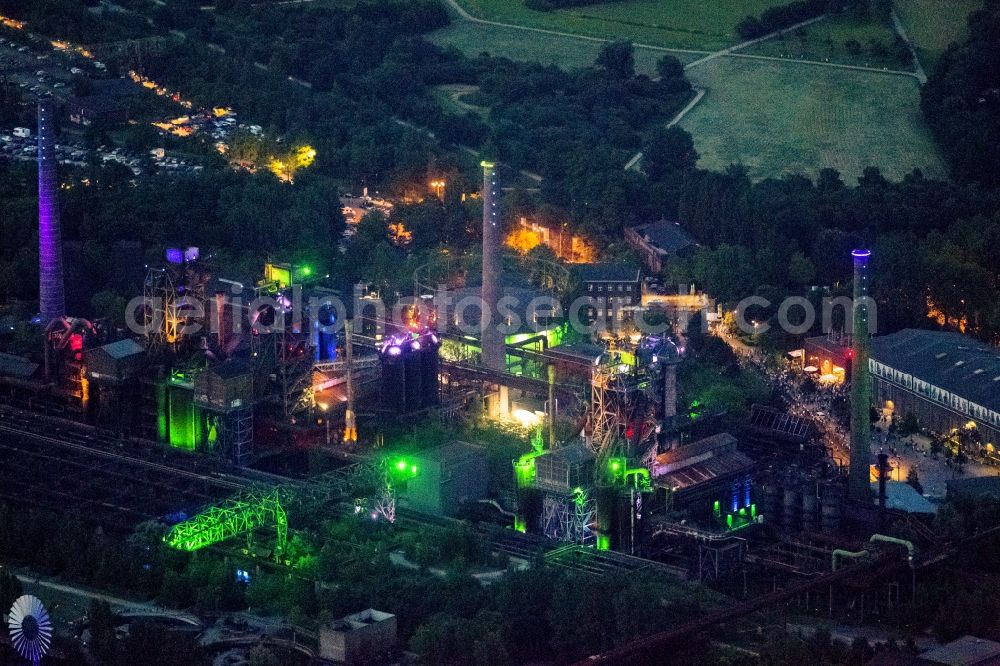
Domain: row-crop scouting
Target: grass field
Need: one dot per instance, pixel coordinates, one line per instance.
(567, 52)
(691, 24)
(780, 118)
(827, 41)
(933, 24)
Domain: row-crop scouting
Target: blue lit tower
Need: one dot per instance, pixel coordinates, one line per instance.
(51, 296)
(861, 426)
(492, 338)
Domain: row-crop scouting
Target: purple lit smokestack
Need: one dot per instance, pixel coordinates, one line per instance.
(859, 484)
(51, 298)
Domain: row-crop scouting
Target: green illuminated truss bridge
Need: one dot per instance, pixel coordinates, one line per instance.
(371, 484)
(239, 515)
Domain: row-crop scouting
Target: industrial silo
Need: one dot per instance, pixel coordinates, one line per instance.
(393, 377)
(429, 366)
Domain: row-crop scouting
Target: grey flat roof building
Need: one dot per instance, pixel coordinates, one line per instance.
(945, 379)
(448, 475)
(116, 361)
(368, 637)
(622, 272)
(951, 361)
(964, 651)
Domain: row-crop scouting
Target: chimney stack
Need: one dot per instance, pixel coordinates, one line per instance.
(883, 474)
(861, 427)
(51, 295)
(494, 353)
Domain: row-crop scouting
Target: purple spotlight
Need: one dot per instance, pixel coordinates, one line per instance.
(415, 345)
(175, 255)
(394, 350)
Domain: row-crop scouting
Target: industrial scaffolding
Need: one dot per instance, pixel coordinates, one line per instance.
(240, 515)
(570, 518)
(168, 294)
(235, 434)
(283, 353)
(617, 400)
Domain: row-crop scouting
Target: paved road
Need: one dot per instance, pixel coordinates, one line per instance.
(116, 602)
(126, 607)
(820, 63)
(897, 24)
(756, 40)
(699, 93)
(934, 472)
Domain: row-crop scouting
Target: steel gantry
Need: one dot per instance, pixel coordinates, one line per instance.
(372, 485)
(240, 515)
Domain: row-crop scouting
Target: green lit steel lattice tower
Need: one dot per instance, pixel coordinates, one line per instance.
(861, 427)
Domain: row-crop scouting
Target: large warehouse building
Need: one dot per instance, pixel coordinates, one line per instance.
(948, 380)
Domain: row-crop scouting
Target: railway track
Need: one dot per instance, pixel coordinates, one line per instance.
(89, 441)
(129, 460)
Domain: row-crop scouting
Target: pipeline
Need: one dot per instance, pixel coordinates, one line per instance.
(648, 648)
(875, 538)
(497, 506)
(839, 552)
(637, 473)
(893, 540)
(528, 341)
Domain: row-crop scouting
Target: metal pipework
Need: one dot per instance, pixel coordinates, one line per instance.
(875, 538)
(640, 477)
